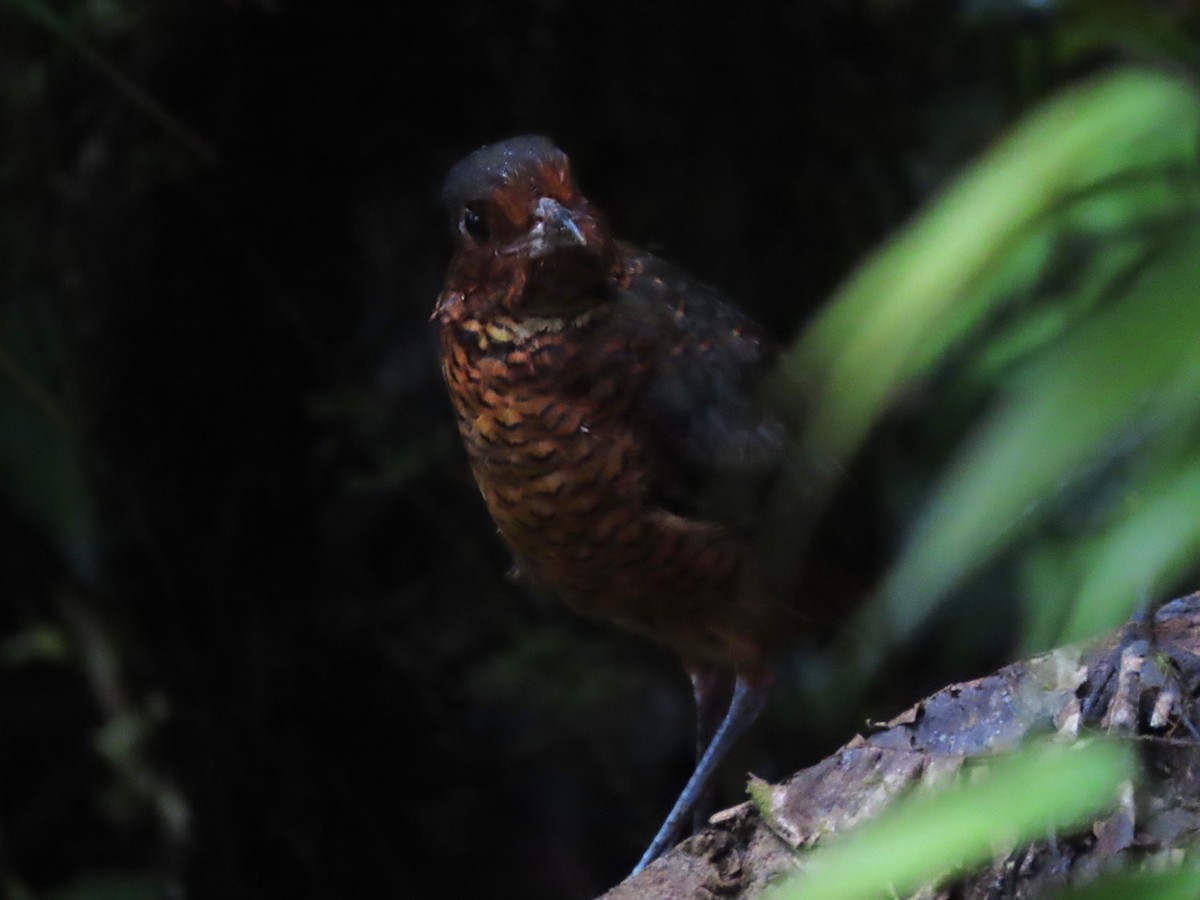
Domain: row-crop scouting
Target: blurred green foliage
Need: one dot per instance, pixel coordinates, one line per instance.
(39, 453)
(1115, 374)
(930, 836)
(1091, 401)
(1179, 883)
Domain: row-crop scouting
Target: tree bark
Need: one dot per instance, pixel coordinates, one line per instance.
(1137, 683)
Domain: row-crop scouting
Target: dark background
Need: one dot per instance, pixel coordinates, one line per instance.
(256, 638)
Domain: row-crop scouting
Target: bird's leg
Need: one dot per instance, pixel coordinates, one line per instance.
(749, 698)
(712, 689)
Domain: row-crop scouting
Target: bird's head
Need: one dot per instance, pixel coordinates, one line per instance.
(527, 242)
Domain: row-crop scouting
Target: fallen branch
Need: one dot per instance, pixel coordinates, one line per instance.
(1137, 683)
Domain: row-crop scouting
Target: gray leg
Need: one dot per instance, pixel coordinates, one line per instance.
(712, 690)
(747, 703)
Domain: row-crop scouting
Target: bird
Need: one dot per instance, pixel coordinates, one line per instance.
(613, 414)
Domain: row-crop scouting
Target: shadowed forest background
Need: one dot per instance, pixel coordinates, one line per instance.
(255, 635)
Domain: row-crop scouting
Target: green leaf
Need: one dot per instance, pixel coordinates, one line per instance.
(1180, 884)
(40, 462)
(1146, 549)
(1129, 365)
(937, 280)
(1013, 800)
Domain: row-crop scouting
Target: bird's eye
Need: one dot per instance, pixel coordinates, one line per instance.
(473, 225)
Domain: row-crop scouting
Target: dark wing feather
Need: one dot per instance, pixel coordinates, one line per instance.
(719, 446)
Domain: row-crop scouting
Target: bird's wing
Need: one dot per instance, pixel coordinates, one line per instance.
(719, 447)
